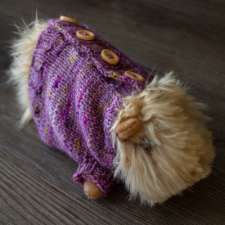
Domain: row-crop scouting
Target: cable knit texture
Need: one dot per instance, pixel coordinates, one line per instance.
(76, 97)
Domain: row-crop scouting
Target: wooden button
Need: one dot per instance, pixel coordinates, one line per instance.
(134, 76)
(85, 35)
(110, 57)
(68, 19)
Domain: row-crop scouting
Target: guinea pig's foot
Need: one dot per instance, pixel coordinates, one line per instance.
(91, 190)
(127, 128)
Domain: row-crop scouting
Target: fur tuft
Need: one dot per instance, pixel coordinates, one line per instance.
(172, 151)
(22, 51)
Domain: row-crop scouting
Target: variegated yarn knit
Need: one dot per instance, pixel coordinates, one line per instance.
(76, 96)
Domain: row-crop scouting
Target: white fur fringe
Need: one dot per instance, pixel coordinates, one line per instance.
(22, 51)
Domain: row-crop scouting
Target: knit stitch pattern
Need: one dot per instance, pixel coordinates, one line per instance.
(76, 97)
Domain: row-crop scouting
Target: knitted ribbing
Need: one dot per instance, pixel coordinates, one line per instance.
(76, 96)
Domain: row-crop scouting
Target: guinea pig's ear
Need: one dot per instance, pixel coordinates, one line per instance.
(128, 128)
(162, 146)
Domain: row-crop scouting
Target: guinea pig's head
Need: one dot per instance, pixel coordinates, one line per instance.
(162, 146)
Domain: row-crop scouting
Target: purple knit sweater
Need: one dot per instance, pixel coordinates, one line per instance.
(76, 96)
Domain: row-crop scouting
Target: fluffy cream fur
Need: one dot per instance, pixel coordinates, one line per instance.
(173, 149)
(22, 51)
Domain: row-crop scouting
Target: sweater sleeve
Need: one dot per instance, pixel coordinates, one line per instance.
(92, 171)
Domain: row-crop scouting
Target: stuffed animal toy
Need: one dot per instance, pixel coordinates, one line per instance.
(113, 117)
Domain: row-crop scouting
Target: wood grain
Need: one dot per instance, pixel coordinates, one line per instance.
(187, 37)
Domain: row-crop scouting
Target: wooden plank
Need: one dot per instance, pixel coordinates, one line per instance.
(29, 196)
(185, 36)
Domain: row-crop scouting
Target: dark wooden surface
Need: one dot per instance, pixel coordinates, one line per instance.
(187, 37)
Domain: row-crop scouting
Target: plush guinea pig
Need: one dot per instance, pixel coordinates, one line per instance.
(113, 117)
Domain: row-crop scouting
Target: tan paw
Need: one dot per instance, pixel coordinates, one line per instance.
(91, 190)
(127, 128)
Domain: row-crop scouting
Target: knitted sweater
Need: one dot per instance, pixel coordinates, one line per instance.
(76, 95)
